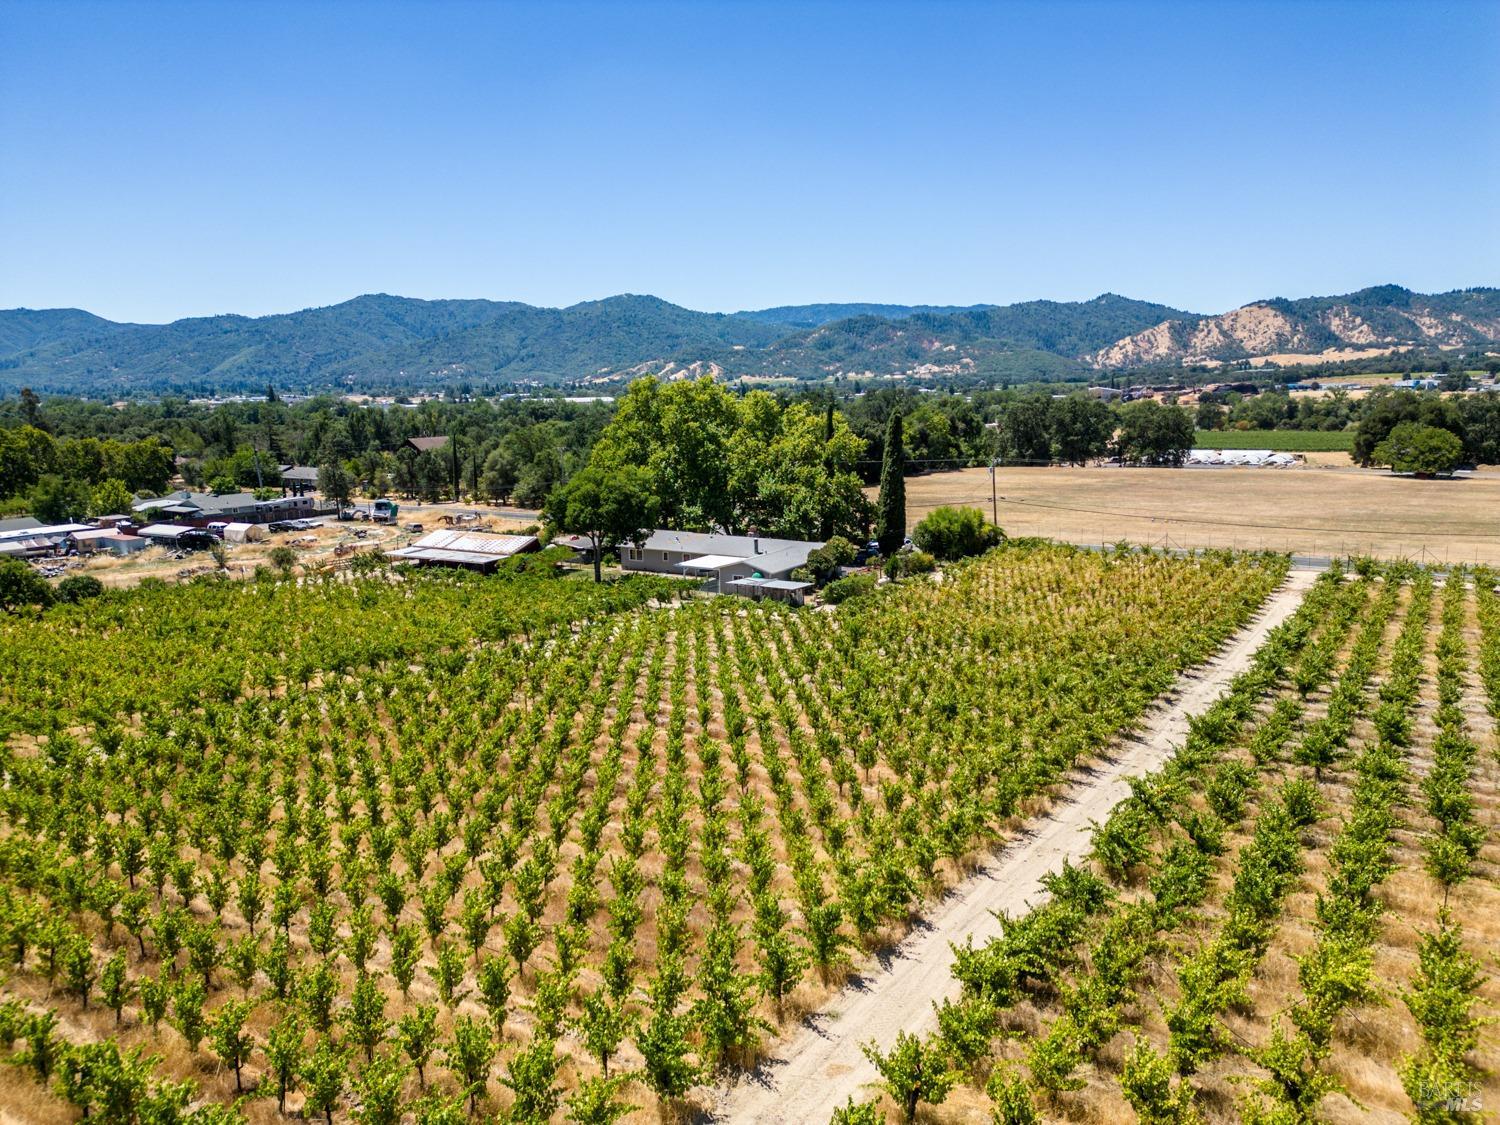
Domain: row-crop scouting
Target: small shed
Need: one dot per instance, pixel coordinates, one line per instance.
(108, 539)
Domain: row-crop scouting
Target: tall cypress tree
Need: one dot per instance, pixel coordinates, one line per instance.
(890, 532)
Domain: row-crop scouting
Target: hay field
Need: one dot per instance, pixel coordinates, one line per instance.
(1318, 511)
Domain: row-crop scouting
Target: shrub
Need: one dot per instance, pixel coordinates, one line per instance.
(823, 563)
(77, 587)
(20, 585)
(842, 589)
(912, 562)
(954, 533)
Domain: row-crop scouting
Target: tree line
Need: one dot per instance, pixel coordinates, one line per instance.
(715, 456)
(787, 463)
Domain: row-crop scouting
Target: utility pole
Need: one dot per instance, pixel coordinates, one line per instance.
(994, 500)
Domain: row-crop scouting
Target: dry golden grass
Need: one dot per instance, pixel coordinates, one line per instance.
(1308, 511)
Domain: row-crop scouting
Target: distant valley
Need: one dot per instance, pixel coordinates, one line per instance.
(381, 342)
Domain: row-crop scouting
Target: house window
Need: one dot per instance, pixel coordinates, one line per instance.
(634, 554)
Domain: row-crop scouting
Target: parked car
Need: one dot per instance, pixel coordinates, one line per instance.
(872, 549)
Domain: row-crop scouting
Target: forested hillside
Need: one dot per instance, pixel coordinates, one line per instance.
(375, 341)
(380, 342)
(1035, 339)
(810, 316)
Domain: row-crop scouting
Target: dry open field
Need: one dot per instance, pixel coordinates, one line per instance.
(1317, 511)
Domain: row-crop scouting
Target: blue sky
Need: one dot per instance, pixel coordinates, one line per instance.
(165, 160)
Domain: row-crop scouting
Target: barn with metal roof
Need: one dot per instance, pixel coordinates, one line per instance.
(474, 550)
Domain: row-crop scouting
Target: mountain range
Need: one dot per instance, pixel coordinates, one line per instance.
(381, 342)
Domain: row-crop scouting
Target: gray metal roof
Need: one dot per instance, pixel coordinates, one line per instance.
(771, 584)
(38, 530)
(471, 548)
(205, 502)
(439, 554)
(20, 523)
(476, 542)
(762, 552)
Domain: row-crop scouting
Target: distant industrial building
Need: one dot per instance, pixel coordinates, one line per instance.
(472, 550)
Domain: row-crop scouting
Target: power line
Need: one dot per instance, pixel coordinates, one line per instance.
(966, 462)
(1175, 518)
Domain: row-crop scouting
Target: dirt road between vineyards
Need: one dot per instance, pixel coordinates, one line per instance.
(821, 1065)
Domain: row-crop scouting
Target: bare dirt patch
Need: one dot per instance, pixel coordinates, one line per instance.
(319, 547)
